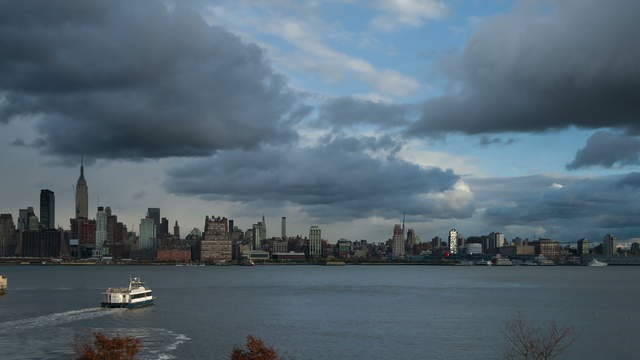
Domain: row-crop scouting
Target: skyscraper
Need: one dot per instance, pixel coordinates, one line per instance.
(47, 209)
(453, 241)
(154, 214)
(397, 242)
(23, 218)
(315, 241)
(147, 233)
(609, 245)
(82, 195)
(583, 247)
(8, 239)
(284, 228)
(412, 240)
(101, 230)
(164, 227)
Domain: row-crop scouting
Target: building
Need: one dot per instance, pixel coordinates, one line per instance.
(8, 235)
(583, 247)
(343, 248)
(547, 248)
(493, 242)
(283, 228)
(397, 242)
(23, 218)
(154, 214)
(84, 230)
(82, 195)
(609, 245)
(101, 230)
(453, 241)
(47, 209)
(517, 250)
(174, 255)
(435, 243)
(44, 244)
(279, 246)
(147, 234)
(412, 240)
(472, 248)
(289, 256)
(176, 230)
(216, 243)
(164, 228)
(259, 234)
(315, 241)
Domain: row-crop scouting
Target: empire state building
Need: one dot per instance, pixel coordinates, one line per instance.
(82, 195)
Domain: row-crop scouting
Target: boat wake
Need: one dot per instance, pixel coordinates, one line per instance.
(54, 319)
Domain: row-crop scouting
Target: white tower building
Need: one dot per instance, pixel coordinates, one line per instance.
(453, 241)
(315, 241)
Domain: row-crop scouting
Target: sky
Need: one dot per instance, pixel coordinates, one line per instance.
(484, 115)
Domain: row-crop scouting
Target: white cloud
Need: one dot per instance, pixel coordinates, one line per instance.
(407, 13)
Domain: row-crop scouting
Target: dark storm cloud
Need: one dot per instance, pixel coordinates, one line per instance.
(607, 149)
(549, 65)
(334, 180)
(569, 203)
(345, 112)
(136, 79)
(486, 141)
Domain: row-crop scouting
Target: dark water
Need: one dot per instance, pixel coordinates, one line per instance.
(315, 312)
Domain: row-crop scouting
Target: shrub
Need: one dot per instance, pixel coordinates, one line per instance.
(256, 350)
(109, 348)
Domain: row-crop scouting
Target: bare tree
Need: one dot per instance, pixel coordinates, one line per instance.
(525, 341)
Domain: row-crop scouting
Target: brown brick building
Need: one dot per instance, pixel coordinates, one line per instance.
(216, 242)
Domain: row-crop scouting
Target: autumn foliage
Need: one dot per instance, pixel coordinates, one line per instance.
(109, 348)
(256, 349)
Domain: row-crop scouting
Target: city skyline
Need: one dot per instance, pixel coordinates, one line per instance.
(342, 116)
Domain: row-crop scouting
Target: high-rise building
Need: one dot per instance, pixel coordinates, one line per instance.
(259, 234)
(495, 240)
(583, 247)
(397, 242)
(101, 230)
(8, 235)
(176, 230)
(609, 245)
(47, 209)
(82, 195)
(284, 228)
(147, 234)
(216, 243)
(154, 214)
(315, 241)
(435, 242)
(412, 240)
(453, 241)
(23, 218)
(164, 227)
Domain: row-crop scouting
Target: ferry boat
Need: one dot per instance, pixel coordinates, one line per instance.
(595, 262)
(136, 295)
(500, 261)
(3, 284)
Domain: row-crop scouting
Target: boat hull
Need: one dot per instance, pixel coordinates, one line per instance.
(128, 305)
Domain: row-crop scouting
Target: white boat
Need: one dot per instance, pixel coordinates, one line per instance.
(595, 262)
(3, 284)
(136, 295)
(500, 261)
